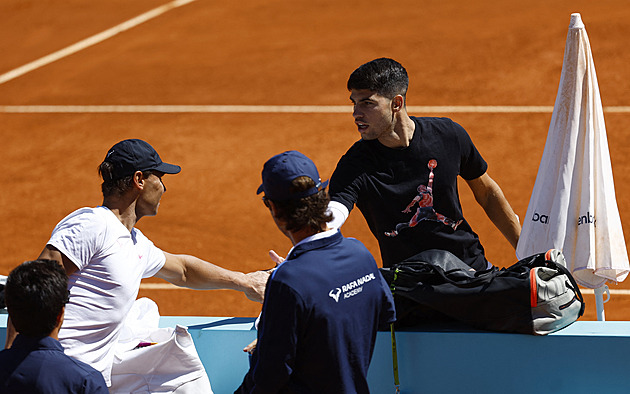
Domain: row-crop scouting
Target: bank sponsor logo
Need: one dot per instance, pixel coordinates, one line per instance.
(351, 289)
(587, 219)
(543, 219)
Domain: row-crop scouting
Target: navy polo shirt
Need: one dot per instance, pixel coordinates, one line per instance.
(322, 309)
(39, 365)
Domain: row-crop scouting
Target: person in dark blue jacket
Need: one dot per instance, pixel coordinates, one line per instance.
(36, 293)
(323, 304)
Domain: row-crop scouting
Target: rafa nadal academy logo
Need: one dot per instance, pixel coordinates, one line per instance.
(335, 295)
(352, 288)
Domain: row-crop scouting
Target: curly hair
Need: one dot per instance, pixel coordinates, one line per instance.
(311, 211)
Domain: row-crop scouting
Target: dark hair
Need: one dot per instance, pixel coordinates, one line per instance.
(35, 293)
(384, 76)
(311, 211)
(116, 187)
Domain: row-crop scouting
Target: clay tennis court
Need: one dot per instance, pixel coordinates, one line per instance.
(180, 80)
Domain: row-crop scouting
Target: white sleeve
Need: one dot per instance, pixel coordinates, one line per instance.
(79, 236)
(340, 214)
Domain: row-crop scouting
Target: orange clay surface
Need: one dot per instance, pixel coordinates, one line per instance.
(274, 52)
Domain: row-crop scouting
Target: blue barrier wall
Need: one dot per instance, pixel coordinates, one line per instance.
(586, 357)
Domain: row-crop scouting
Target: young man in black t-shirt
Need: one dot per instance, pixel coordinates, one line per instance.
(402, 174)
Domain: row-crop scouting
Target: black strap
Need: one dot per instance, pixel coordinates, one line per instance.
(575, 287)
(479, 278)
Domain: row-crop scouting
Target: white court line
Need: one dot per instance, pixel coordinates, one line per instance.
(88, 42)
(612, 292)
(175, 108)
(304, 109)
(169, 286)
(160, 286)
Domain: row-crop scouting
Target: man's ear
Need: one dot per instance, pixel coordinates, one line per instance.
(60, 317)
(138, 180)
(398, 103)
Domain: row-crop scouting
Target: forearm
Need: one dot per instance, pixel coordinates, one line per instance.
(194, 273)
(503, 216)
(491, 198)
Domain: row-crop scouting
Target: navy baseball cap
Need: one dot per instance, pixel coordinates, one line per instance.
(279, 171)
(133, 155)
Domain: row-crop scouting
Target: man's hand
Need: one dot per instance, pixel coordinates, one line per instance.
(258, 282)
(259, 279)
(275, 257)
(251, 347)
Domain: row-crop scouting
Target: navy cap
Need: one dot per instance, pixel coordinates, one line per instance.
(279, 171)
(133, 155)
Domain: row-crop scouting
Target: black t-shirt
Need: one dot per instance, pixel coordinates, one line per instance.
(383, 182)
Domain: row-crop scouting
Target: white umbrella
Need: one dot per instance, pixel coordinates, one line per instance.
(573, 206)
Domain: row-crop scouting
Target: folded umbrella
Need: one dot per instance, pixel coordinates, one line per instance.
(573, 206)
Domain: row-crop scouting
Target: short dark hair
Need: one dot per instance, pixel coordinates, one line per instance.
(311, 211)
(35, 293)
(116, 187)
(384, 76)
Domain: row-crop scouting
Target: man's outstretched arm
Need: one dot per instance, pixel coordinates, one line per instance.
(194, 273)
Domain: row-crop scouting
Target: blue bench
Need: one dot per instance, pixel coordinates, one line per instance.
(586, 357)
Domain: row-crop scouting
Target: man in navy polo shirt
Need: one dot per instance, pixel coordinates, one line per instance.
(36, 293)
(324, 304)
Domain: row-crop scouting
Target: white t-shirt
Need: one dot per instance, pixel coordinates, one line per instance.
(111, 262)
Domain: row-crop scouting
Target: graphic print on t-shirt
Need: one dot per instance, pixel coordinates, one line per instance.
(425, 209)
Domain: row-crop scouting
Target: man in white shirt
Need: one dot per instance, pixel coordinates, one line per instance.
(106, 257)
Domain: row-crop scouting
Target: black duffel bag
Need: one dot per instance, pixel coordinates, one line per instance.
(537, 295)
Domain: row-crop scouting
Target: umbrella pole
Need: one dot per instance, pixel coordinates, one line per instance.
(599, 301)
